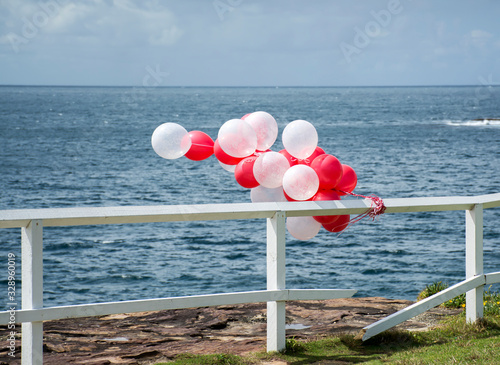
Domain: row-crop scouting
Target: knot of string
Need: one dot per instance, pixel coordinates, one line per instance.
(377, 208)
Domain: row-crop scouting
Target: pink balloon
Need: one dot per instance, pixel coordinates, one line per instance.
(288, 197)
(300, 139)
(170, 141)
(262, 194)
(302, 228)
(300, 182)
(265, 127)
(269, 169)
(228, 168)
(237, 138)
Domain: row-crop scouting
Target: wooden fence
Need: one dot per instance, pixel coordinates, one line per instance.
(31, 221)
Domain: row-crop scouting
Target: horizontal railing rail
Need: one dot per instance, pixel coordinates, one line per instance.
(193, 301)
(56, 217)
(32, 221)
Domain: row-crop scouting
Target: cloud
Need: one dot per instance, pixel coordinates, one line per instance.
(477, 38)
(98, 22)
(257, 42)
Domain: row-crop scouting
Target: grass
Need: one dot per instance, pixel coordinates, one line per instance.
(453, 342)
(491, 300)
(432, 289)
(215, 359)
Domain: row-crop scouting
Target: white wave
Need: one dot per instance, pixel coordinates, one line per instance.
(474, 123)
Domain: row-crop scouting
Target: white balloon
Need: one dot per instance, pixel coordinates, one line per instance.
(261, 194)
(300, 182)
(171, 141)
(237, 138)
(229, 168)
(269, 169)
(265, 127)
(300, 139)
(302, 228)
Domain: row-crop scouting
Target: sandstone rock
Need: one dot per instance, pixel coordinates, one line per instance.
(150, 337)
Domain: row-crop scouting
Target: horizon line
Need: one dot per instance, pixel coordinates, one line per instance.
(240, 86)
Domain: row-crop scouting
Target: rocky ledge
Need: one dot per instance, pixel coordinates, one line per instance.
(150, 337)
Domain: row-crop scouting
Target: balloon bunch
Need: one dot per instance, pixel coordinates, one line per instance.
(301, 171)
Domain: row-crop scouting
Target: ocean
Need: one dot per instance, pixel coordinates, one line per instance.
(91, 146)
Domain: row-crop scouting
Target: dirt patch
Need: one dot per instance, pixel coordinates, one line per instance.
(150, 337)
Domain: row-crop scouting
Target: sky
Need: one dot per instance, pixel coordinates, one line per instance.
(249, 42)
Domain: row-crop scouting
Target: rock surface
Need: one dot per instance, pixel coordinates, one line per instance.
(150, 337)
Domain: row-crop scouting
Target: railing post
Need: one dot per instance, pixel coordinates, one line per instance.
(32, 291)
(474, 260)
(276, 280)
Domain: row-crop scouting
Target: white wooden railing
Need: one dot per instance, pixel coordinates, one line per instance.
(32, 221)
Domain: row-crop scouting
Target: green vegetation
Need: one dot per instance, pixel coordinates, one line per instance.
(453, 342)
(215, 359)
(491, 301)
(432, 289)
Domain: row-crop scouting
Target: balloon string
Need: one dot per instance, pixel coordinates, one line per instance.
(377, 208)
(300, 161)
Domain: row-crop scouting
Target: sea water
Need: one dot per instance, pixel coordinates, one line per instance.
(91, 146)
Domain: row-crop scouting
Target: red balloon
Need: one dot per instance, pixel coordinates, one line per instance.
(326, 195)
(339, 225)
(202, 146)
(291, 160)
(329, 170)
(317, 152)
(244, 117)
(244, 173)
(223, 156)
(348, 181)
